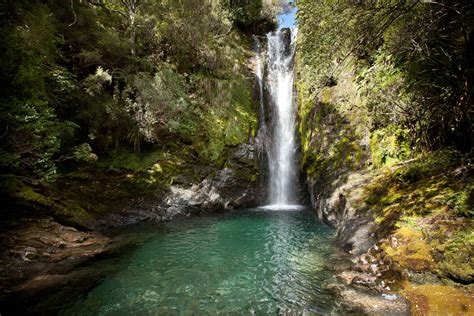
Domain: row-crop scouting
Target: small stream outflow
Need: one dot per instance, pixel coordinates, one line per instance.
(278, 81)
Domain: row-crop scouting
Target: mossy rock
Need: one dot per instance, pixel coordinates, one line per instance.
(409, 250)
(432, 299)
(456, 255)
(43, 200)
(71, 213)
(389, 146)
(25, 193)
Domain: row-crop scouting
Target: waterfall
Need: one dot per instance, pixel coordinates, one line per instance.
(279, 82)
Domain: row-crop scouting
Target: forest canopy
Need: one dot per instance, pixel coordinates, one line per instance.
(413, 62)
(82, 78)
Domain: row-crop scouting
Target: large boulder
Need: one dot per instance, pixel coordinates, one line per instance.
(343, 209)
(236, 185)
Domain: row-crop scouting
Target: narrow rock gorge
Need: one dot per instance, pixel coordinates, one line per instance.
(236, 157)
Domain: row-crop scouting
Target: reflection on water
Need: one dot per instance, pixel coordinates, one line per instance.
(236, 263)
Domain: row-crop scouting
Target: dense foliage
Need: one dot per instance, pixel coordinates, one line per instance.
(253, 17)
(412, 62)
(82, 78)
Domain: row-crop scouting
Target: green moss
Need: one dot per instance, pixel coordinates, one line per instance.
(28, 195)
(457, 253)
(43, 199)
(389, 146)
(125, 160)
(434, 299)
(391, 198)
(332, 146)
(72, 213)
(409, 250)
(249, 174)
(462, 202)
(422, 187)
(410, 222)
(425, 204)
(23, 192)
(332, 127)
(80, 175)
(230, 122)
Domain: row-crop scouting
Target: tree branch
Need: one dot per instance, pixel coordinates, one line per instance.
(74, 12)
(103, 5)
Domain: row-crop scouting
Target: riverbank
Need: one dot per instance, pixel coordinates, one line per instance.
(49, 230)
(386, 157)
(409, 232)
(406, 229)
(116, 114)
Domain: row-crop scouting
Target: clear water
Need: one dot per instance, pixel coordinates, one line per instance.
(243, 262)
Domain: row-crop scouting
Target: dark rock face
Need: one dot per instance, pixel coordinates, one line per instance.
(236, 185)
(286, 34)
(37, 257)
(340, 207)
(260, 26)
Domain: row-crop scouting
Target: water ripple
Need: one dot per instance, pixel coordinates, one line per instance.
(239, 263)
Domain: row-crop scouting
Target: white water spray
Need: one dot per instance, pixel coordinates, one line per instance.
(280, 64)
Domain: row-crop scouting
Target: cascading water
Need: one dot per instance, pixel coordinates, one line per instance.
(282, 162)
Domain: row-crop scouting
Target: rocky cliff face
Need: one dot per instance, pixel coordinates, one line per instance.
(344, 210)
(335, 147)
(237, 184)
(404, 224)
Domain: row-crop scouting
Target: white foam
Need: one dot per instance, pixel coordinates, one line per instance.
(282, 207)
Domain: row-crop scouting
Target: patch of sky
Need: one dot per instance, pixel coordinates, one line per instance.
(287, 18)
